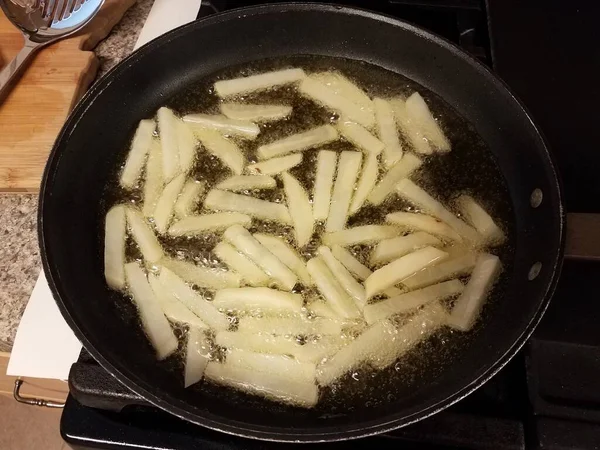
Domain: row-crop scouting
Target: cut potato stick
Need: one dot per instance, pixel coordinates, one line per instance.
(323, 94)
(188, 199)
(291, 326)
(187, 143)
(207, 277)
(144, 236)
(115, 233)
(419, 197)
(481, 220)
(165, 206)
(255, 113)
(388, 132)
(192, 300)
(222, 148)
(352, 287)
(299, 208)
(249, 271)
(286, 255)
(192, 225)
(419, 112)
(312, 138)
(154, 182)
(322, 309)
(403, 169)
(222, 124)
(390, 249)
(155, 324)
(247, 182)
(331, 289)
(282, 365)
(356, 134)
(138, 152)
(364, 234)
(343, 189)
(167, 126)
(402, 268)
(411, 300)
(240, 238)
(261, 82)
(326, 165)
(274, 166)
(409, 128)
(264, 384)
(261, 299)
(455, 267)
(172, 307)
(366, 183)
(467, 307)
(341, 85)
(423, 222)
(254, 207)
(196, 356)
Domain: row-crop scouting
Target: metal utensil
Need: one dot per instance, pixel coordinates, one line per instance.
(42, 22)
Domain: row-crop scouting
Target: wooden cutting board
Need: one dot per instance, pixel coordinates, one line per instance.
(34, 112)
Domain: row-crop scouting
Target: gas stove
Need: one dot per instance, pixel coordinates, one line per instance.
(549, 395)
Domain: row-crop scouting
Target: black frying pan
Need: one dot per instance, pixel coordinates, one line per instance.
(93, 139)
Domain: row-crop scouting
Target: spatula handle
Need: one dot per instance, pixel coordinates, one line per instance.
(13, 70)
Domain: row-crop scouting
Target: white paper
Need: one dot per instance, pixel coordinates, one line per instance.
(45, 346)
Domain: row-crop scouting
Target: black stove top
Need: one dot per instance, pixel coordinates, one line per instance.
(548, 397)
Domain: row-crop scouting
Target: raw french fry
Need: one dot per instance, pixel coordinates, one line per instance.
(331, 289)
(423, 222)
(360, 137)
(274, 166)
(455, 267)
(467, 307)
(322, 309)
(144, 236)
(222, 124)
(172, 307)
(419, 112)
(390, 249)
(281, 365)
(196, 356)
(255, 113)
(409, 128)
(326, 165)
(154, 182)
(115, 230)
(167, 127)
(262, 299)
(342, 86)
(367, 181)
(222, 148)
(187, 142)
(195, 302)
(261, 82)
(247, 182)
(249, 271)
(188, 199)
(165, 206)
(192, 225)
(298, 142)
(323, 94)
(138, 152)
(264, 384)
(254, 207)
(291, 326)
(352, 287)
(402, 268)
(481, 220)
(402, 169)
(240, 238)
(207, 277)
(286, 255)
(155, 324)
(388, 132)
(418, 196)
(343, 189)
(299, 208)
(364, 234)
(411, 300)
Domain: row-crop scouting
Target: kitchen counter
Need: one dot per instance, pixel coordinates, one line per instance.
(19, 254)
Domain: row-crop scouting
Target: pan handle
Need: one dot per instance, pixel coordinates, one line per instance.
(583, 237)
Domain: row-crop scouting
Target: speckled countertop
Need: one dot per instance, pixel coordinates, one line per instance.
(19, 254)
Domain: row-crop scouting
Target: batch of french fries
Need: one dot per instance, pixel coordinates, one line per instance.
(285, 344)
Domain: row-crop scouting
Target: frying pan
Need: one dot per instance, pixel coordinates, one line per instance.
(91, 143)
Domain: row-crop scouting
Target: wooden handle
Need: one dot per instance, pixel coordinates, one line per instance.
(583, 237)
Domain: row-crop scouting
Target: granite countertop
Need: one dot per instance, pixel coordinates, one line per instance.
(19, 254)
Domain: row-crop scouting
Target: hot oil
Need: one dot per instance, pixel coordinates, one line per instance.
(468, 168)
